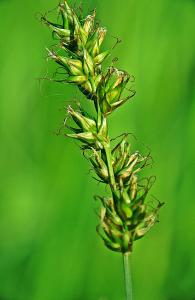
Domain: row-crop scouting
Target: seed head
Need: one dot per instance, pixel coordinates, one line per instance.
(124, 216)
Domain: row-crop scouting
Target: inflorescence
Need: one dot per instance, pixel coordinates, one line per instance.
(125, 215)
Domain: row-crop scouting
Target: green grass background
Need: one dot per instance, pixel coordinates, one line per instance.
(49, 249)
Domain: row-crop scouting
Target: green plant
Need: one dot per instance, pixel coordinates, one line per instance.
(125, 216)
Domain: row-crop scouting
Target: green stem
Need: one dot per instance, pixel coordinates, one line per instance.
(127, 277)
(107, 149)
(109, 164)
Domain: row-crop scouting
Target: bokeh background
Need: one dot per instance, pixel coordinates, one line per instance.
(49, 249)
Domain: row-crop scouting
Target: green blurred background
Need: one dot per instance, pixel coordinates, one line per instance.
(49, 249)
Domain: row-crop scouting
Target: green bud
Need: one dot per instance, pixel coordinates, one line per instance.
(79, 33)
(119, 103)
(92, 42)
(73, 66)
(99, 166)
(108, 243)
(127, 211)
(113, 234)
(124, 145)
(119, 163)
(101, 57)
(144, 227)
(110, 78)
(77, 79)
(115, 78)
(112, 246)
(111, 89)
(126, 241)
(89, 63)
(83, 122)
(120, 147)
(114, 218)
(86, 137)
(125, 197)
(95, 41)
(68, 12)
(88, 90)
(113, 95)
(133, 188)
(60, 32)
(132, 158)
(123, 209)
(101, 90)
(105, 107)
(126, 153)
(64, 16)
(103, 130)
(93, 85)
(98, 79)
(101, 35)
(89, 22)
(85, 68)
(61, 60)
(83, 36)
(126, 172)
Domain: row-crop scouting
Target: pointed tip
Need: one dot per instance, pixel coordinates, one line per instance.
(69, 109)
(94, 13)
(51, 54)
(66, 5)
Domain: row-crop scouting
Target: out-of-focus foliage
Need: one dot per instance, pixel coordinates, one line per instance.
(49, 249)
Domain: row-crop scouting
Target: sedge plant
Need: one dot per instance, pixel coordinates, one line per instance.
(125, 215)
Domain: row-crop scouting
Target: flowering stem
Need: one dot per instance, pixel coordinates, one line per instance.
(127, 276)
(125, 216)
(126, 265)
